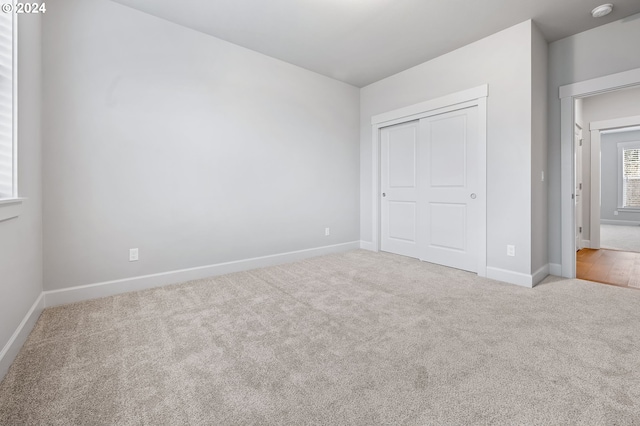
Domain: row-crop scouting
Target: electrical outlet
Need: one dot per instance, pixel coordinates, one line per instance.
(615, 212)
(542, 176)
(133, 255)
(511, 250)
(327, 232)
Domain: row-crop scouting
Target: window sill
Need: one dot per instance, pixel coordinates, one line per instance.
(10, 208)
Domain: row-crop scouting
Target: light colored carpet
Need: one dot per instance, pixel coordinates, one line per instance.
(616, 237)
(356, 338)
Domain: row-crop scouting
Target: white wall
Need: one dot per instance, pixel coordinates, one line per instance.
(621, 103)
(504, 62)
(21, 238)
(604, 50)
(609, 149)
(539, 187)
(194, 150)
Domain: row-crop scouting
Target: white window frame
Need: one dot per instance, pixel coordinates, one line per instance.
(11, 207)
(621, 147)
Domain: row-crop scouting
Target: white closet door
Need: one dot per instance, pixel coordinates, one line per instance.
(399, 183)
(448, 171)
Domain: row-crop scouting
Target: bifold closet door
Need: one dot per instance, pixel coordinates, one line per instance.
(399, 185)
(448, 175)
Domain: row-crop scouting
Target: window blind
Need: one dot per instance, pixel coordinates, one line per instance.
(631, 177)
(7, 147)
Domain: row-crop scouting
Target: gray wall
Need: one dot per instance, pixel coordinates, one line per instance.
(21, 238)
(503, 61)
(609, 171)
(194, 150)
(621, 103)
(604, 50)
(539, 188)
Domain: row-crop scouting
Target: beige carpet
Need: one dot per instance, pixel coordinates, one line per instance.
(619, 237)
(356, 338)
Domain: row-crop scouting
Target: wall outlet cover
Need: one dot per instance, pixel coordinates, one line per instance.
(133, 255)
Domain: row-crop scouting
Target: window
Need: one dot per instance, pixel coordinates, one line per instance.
(629, 175)
(8, 158)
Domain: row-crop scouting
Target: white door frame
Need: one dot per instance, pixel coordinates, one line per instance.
(580, 174)
(568, 94)
(476, 96)
(596, 127)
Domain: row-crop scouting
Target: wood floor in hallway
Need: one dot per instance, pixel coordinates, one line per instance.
(613, 267)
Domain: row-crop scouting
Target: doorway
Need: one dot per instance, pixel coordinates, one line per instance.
(568, 94)
(609, 246)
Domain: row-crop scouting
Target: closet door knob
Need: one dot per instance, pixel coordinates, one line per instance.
(473, 196)
(384, 194)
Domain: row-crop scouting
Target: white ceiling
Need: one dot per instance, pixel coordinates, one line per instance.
(363, 41)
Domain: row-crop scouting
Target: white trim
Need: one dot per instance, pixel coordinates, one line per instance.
(482, 184)
(586, 243)
(429, 113)
(596, 180)
(511, 277)
(615, 123)
(620, 222)
(476, 96)
(567, 95)
(15, 111)
(597, 85)
(408, 113)
(567, 203)
(540, 274)
(375, 186)
(10, 208)
(110, 288)
(366, 245)
(555, 269)
(11, 349)
(625, 129)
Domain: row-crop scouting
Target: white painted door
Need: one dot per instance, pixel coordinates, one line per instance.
(448, 165)
(578, 189)
(399, 184)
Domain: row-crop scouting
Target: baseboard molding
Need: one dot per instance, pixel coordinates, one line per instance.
(110, 288)
(367, 245)
(511, 277)
(586, 243)
(11, 349)
(620, 222)
(555, 269)
(540, 275)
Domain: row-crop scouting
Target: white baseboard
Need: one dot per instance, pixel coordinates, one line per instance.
(586, 243)
(110, 288)
(555, 269)
(619, 222)
(11, 349)
(510, 277)
(540, 275)
(366, 245)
